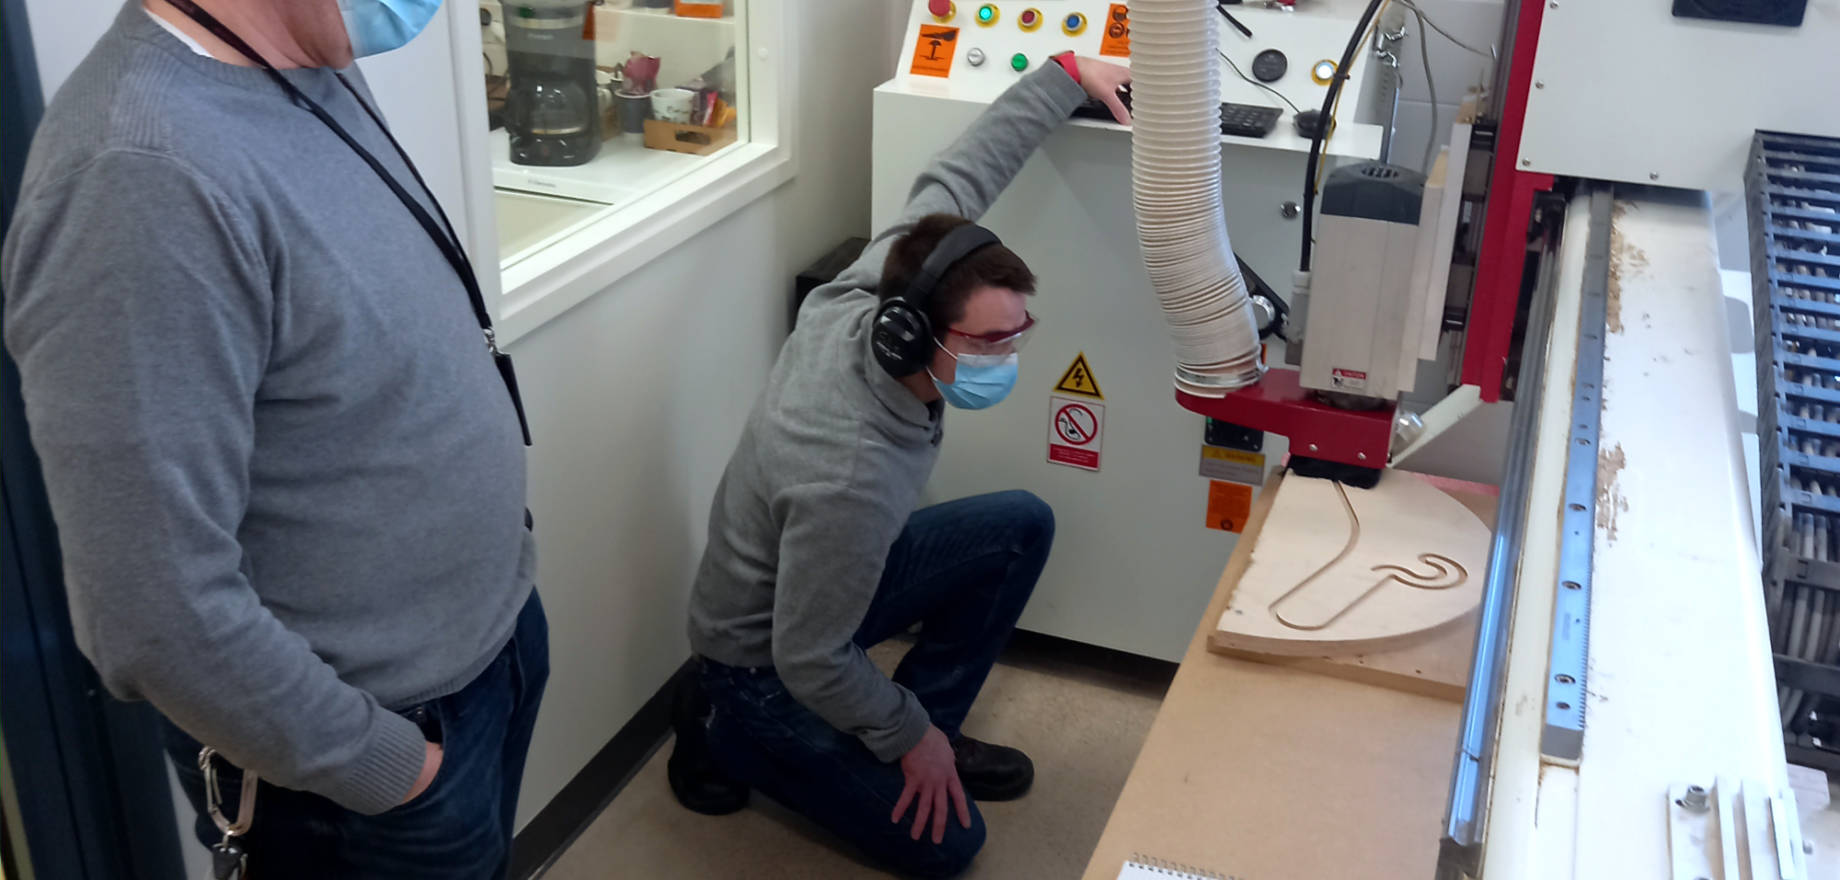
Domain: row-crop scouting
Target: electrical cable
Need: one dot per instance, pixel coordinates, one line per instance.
(1409, 4)
(1242, 75)
(1237, 24)
(1355, 41)
(1424, 55)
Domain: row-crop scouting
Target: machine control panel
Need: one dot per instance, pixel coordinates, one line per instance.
(992, 43)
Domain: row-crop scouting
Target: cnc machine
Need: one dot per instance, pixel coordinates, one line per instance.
(1557, 261)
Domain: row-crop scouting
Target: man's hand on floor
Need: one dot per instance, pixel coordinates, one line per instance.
(1102, 82)
(932, 779)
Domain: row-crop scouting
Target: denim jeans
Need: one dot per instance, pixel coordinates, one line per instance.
(460, 827)
(963, 570)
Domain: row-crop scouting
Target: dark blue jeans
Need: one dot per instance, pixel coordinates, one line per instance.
(963, 570)
(459, 828)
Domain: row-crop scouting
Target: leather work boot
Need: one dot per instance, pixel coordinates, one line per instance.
(698, 783)
(992, 772)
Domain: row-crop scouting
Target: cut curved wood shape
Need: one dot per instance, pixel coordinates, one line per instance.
(1349, 571)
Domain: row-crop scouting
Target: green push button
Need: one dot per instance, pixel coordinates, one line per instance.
(1019, 62)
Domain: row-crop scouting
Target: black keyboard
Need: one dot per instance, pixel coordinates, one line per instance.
(1244, 120)
(1096, 109)
(1248, 120)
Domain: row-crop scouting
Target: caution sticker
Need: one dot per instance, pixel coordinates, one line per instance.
(1117, 39)
(1229, 506)
(1076, 431)
(1236, 465)
(933, 51)
(1354, 380)
(1079, 380)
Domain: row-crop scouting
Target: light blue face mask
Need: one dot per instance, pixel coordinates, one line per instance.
(980, 381)
(381, 25)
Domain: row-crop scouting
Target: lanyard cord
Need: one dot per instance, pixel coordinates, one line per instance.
(443, 235)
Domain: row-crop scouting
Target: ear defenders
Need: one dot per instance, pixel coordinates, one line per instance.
(903, 334)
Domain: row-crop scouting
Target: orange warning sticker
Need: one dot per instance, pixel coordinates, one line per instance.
(1116, 41)
(933, 51)
(1229, 506)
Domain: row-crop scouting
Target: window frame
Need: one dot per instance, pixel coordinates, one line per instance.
(602, 250)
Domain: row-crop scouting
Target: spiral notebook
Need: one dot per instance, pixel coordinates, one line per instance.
(1142, 867)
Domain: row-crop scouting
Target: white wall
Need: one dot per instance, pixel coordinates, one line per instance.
(1454, 70)
(636, 396)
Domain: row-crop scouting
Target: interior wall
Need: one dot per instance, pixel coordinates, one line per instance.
(636, 398)
(1453, 70)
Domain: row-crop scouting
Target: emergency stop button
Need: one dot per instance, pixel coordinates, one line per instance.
(941, 9)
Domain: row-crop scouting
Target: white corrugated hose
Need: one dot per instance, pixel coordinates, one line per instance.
(1175, 172)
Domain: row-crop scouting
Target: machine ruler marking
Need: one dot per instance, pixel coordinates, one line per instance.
(1562, 736)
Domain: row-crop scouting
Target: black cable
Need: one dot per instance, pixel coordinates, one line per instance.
(1242, 75)
(1322, 127)
(1237, 24)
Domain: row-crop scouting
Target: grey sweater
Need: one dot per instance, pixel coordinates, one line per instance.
(288, 482)
(833, 457)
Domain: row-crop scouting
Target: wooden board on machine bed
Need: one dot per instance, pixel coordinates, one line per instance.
(1419, 544)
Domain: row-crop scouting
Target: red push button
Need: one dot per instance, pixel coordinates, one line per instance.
(1029, 16)
(939, 8)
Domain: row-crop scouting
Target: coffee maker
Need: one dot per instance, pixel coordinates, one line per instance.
(552, 111)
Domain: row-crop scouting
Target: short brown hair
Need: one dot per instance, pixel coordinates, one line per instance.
(994, 266)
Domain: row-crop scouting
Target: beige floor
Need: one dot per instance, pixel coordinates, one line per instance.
(1082, 728)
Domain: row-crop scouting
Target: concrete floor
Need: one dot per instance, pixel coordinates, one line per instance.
(1081, 726)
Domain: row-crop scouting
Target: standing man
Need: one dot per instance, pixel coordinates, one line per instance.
(287, 473)
(816, 551)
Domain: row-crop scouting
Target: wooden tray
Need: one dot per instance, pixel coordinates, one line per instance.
(696, 140)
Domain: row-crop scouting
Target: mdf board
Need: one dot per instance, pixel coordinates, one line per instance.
(1270, 773)
(1438, 666)
(1346, 571)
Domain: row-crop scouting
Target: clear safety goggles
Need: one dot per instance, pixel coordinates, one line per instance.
(999, 342)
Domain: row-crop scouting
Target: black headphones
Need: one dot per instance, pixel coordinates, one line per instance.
(903, 335)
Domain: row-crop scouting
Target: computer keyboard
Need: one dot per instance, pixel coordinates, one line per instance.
(1244, 120)
(1248, 120)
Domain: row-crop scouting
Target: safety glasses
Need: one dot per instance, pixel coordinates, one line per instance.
(999, 342)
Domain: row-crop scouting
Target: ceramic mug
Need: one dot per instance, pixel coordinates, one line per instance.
(633, 112)
(673, 105)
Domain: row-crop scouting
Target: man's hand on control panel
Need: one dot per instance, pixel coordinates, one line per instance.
(1102, 82)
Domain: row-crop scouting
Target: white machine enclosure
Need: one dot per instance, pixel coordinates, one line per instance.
(1363, 330)
(1134, 559)
(1630, 92)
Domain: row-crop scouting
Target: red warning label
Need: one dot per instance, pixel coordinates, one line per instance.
(1076, 431)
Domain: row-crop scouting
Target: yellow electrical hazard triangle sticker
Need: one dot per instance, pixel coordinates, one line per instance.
(1079, 380)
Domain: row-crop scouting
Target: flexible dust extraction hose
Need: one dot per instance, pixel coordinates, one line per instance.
(1175, 173)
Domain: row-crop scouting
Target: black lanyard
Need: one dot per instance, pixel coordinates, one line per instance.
(443, 235)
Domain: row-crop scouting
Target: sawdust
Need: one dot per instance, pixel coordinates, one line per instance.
(1610, 500)
(1623, 255)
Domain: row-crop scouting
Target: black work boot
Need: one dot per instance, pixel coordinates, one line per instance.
(697, 782)
(992, 772)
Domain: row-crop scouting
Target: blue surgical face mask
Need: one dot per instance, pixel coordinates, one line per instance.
(381, 25)
(981, 380)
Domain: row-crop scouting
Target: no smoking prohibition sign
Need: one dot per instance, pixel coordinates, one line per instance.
(1076, 431)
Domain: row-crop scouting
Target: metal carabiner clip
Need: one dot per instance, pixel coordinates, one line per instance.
(213, 799)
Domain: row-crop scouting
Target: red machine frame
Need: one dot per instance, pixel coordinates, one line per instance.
(1280, 404)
